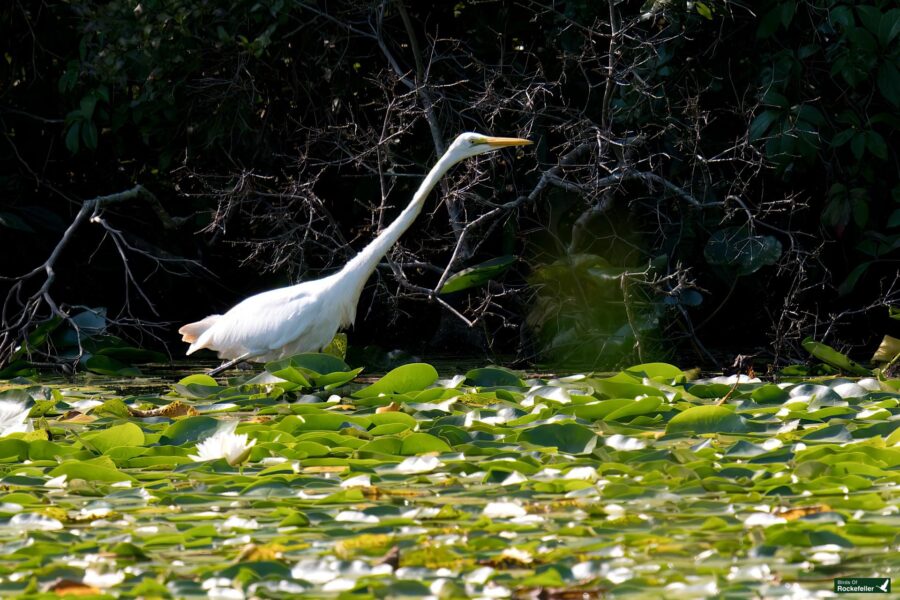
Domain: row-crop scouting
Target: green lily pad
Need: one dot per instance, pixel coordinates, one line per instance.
(407, 378)
(707, 419)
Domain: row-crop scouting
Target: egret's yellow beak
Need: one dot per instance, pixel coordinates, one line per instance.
(502, 142)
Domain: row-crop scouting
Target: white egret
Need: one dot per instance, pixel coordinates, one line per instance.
(305, 317)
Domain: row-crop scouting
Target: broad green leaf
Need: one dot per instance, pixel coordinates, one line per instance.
(566, 437)
(11, 221)
(408, 378)
(761, 124)
(704, 10)
(90, 470)
(105, 365)
(312, 361)
(133, 355)
(734, 247)
(190, 429)
(887, 351)
(199, 379)
(126, 434)
(493, 377)
(72, 136)
(477, 275)
(707, 419)
(635, 407)
(829, 355)
(660, 371)
(421, 443)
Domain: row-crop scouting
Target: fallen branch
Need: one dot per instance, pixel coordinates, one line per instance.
(18, 321)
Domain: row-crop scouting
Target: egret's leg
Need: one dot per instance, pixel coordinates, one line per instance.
(230, 363)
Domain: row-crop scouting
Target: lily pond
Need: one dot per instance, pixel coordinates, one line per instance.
(304, 480)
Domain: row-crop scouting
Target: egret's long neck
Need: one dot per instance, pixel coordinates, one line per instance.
(352, 278)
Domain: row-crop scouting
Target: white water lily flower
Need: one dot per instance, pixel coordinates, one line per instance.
(14, 417)
(225, 443)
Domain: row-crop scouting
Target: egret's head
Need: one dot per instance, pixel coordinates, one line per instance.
(469, 144)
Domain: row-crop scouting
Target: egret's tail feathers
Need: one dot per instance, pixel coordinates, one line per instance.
(192, 331)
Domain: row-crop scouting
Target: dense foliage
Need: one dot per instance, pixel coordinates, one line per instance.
(705, 179)
(295, 482)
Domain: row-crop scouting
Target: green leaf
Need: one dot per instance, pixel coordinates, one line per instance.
(888, 349)
(114, 407)
(87, 105)
(407, 378)
(760, 125)
(72, 137)
(191, 429)
(894, 219)
(421, 443)
(889, 82)
(89, 135)
(769, 394)
(477, 275)
(636, 407)
(734, 247)
(842, 137)
(127, 434)
(849, 284)
(858, 145)
(659, 371)
(132, 355)
(704, 10)
(830, 356)
(707, 419)
(102, 469)
(14, 448)
(11, 221)
(104, 365)
(493, 377)
(567, 437)
(876, 144)
(312, 361)
(199, 379)
(337, 347)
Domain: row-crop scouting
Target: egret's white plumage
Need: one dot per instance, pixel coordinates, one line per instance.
(305, 317)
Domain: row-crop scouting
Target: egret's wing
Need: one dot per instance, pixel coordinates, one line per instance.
(260, 323)
(192, 331)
